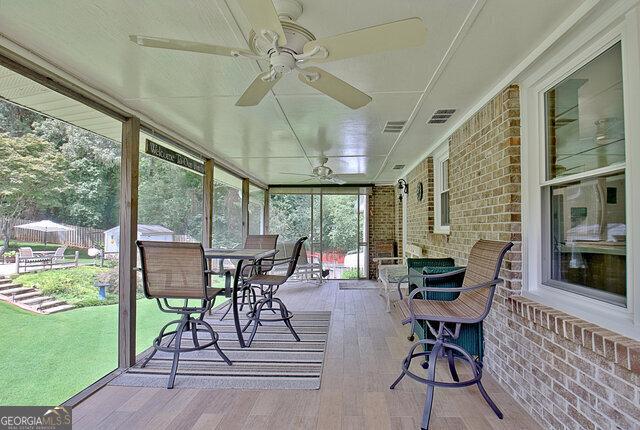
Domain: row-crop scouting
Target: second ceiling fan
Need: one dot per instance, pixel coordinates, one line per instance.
(276, 38)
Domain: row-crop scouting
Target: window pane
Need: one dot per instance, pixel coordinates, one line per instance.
(585, 118)
(227, 210)
(256, 210)
(444, 208)
(445, 175)
(170, 209)
(55, 172)
(588, 238)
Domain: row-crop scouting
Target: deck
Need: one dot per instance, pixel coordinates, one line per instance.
(364, 352)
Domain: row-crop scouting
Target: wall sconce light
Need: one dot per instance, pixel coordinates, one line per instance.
(403, 187)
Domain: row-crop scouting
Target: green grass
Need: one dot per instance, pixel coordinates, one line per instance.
(75, 285)
(46, 359)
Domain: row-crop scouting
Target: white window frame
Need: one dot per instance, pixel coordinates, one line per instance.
(578, 51)
(440, 156)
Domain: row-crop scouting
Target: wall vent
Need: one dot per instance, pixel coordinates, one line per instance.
(441, 116)
(393, 126)
(398, 167)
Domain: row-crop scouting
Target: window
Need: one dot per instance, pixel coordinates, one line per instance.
(441, 190)
(579, 151)
(585, 156)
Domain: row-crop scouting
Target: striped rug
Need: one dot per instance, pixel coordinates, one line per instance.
(274, 360)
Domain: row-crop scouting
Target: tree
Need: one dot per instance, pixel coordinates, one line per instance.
(32, 173)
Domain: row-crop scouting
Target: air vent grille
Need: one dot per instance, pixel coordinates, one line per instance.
(398, 167)
(393, 126)
(441, 116)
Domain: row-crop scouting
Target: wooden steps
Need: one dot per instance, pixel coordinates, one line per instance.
(30, 298)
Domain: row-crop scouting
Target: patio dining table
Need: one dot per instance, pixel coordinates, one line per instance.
(237, 254)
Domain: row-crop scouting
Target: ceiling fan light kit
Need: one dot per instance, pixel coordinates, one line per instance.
(285, 45)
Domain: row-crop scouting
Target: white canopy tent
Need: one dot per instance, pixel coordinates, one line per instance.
(45, 226)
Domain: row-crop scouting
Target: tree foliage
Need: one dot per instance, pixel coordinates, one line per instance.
(33, 178)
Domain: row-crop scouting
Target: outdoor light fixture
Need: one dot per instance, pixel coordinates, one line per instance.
(403, 187)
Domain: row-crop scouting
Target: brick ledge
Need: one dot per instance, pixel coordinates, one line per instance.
(621, 350)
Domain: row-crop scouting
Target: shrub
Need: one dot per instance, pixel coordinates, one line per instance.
(73, 285)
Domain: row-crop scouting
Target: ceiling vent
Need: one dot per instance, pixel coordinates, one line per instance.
(441, 116)
(398, 167)
(393, 126)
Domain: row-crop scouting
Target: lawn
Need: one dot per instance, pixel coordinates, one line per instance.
(46, 359)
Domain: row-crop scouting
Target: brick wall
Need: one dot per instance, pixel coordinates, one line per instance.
(382, 223)
(567, 378)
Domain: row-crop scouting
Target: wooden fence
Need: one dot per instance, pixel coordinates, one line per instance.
(81, 237)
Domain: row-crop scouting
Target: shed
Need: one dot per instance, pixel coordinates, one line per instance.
(145, 232)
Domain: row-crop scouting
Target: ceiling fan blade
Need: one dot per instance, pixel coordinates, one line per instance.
(263, 16)
(336, 180)
(393, 35)
(297, 174)
(256, 91)
(185, 45)
(334, 87)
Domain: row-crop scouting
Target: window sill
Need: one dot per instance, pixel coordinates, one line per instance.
(441, 230)
(621, 350)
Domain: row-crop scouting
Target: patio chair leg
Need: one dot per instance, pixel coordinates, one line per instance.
(256, 320)
(176, 354)
(431, 376)
(194, 335)
(285, 314)
(452, 366)
(227, 311)
(214, 339)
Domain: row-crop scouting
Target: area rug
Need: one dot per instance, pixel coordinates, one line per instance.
(273, 361)
(359, 285)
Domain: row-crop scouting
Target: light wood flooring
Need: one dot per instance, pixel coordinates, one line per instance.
(364, 353)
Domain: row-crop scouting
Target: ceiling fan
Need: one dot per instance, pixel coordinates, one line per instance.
(321, 173)
(276, 38)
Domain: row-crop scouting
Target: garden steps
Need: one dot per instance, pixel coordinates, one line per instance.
(8, 286)
(30, 298)
(60, 308)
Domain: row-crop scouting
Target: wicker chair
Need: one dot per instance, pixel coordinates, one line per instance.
(256, 241)
(173, 270)
(471, 306)
(269, 285)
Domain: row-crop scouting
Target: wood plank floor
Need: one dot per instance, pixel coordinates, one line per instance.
(364, 354)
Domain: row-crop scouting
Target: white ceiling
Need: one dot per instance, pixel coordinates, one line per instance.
(470, 46)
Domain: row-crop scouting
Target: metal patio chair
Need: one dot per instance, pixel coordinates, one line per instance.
(471, 306)
(269, 285)
(254, 241)
(178, 270)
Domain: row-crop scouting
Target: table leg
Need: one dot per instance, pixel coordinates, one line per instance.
(234, 308)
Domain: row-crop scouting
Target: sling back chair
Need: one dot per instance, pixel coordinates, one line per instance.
(254, 241)
(269, 285)
(173, 270)
(471, 306)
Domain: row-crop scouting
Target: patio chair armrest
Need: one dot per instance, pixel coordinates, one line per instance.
(491, 284)
(381, 259)
(433, 277)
